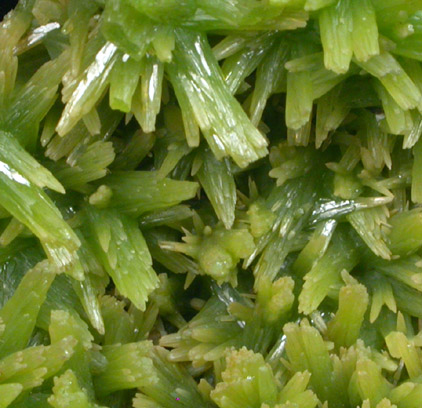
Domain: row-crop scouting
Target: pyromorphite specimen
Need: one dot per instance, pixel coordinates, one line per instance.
(211, 204)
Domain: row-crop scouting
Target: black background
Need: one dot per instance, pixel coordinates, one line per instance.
(5, 6)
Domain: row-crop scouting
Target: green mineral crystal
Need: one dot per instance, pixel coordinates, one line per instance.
(211, 204)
